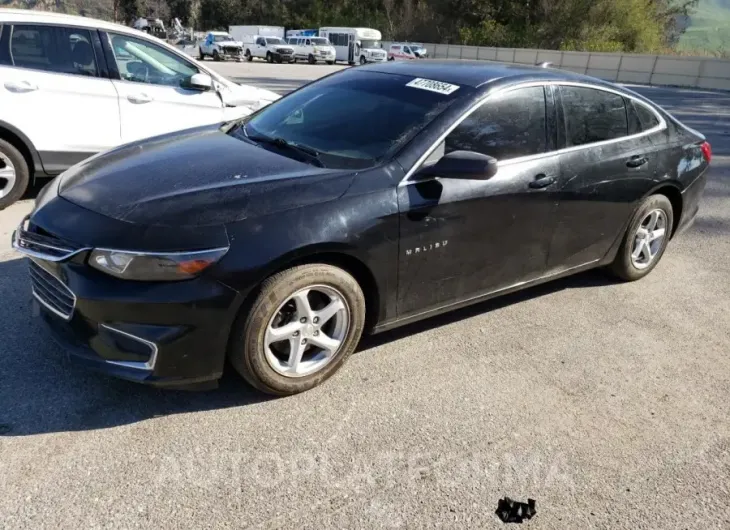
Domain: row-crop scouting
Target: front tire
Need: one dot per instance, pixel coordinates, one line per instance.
(311, 59)
(363, 61)
(645, 240)
(202, 55)
(330, 63)
(249, 57)
(216, 56)
(269, 58)
(303, 325)
(14, 174)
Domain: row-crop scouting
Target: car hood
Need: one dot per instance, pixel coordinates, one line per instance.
(235, 95)
(229, 43)
(277, 47)
(196, 177)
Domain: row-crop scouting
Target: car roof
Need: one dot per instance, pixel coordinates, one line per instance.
(475, 73)
(29, 16)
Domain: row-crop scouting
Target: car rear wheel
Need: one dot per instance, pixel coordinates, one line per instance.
(645, 240)
(14, 174)
(303, 325)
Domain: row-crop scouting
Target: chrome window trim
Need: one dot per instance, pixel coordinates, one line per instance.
(147, 366)
(662, 125)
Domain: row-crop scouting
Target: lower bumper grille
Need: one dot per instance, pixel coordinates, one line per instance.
(51, 292)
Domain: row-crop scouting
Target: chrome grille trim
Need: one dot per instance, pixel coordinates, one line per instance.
(51, 292)
(42, 247)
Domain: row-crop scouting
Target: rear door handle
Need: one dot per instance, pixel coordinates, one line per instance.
(139, 98)
(21, 87)
(542, 181)
(637, 161)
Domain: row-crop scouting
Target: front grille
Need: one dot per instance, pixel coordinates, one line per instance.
(51, 292)
(231, 50)
(285, 51)
(33, 240)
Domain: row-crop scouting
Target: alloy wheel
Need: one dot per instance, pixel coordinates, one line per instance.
(307, 331)
(649, 239)
(7, 176)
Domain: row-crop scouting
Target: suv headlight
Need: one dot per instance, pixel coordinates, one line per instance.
(154, 266)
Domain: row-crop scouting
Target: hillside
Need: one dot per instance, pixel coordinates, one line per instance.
(709, 28)
(90, 8)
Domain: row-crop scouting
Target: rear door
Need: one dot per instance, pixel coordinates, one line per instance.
(153, 99)
(461, 238)
(606, 167)
(53, 90)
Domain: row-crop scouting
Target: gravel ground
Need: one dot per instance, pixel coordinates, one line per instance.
(605, 402)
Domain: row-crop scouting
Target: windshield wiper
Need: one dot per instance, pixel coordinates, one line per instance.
(309, 153)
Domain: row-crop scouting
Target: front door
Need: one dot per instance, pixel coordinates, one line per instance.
(152, 97)
(462, 238)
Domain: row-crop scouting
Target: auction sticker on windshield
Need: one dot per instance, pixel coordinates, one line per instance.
(434, 86)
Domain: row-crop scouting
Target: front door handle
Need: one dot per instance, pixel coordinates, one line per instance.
(21, 87)
(542, 181)
(637, 161)
(139, 98)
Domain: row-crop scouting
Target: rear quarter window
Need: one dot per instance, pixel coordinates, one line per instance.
(646, 116)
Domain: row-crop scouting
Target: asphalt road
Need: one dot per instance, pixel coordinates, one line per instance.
(606, 402)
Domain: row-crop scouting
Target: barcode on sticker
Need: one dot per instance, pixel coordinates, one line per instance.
(434, 86)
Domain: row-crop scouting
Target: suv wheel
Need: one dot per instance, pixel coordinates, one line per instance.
(304, 324)
(14, 174)
(645, 240)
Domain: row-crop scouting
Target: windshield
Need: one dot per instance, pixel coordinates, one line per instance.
(320, 41)
(354, 119)
(222, 38)
(274, 40)
(370, 43)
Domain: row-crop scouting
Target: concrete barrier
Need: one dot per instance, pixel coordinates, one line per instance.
(693, 72)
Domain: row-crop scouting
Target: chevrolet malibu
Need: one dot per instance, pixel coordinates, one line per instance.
(369, 199)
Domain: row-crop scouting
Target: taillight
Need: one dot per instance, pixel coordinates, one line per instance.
(706, 151)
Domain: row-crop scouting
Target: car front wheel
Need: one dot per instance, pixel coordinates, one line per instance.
(362, 60)
(303, 325)
(14, 174)
(645, 240)
(269, 58)
(249, 57)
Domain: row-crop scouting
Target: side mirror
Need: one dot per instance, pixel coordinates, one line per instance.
(463, 165)
(200, 82)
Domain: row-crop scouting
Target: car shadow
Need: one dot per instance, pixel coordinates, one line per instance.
(41, 392)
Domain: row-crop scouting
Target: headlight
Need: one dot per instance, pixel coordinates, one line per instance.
(152, 266)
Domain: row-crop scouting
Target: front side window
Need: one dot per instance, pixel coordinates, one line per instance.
(308, 43)
(52, 49)
(354, 119)
(274, 40)
(143, 62)
(593, 115)
(222, 38)
(509, 125)
(320, 42)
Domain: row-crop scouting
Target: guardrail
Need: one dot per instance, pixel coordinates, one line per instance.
(694, 72)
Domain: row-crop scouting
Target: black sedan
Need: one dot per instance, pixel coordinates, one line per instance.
(363, 201)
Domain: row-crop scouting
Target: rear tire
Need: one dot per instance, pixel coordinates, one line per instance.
(14, 174)
(643, 246)
(276, 307)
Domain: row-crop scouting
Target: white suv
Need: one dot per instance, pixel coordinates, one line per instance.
(71, 87)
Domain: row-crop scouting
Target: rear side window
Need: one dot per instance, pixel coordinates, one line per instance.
(646, 116)
(593, 115)
(507, 126)
(52, 49)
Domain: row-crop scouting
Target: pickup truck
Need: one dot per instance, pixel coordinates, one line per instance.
(272, 49)
(220, 46)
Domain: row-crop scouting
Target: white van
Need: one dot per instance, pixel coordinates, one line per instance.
(356, 45)
(312, 49)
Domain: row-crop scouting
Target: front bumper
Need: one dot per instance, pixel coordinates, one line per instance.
(283, 57)
(163, 334)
